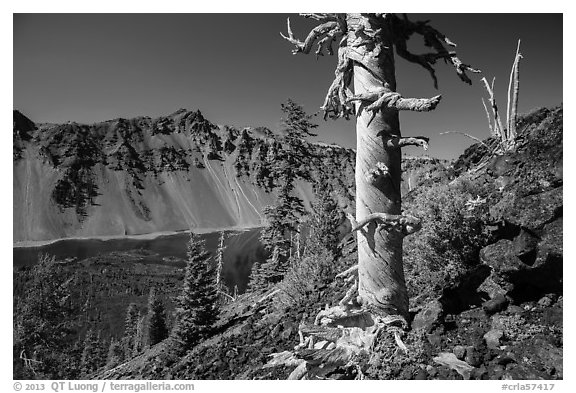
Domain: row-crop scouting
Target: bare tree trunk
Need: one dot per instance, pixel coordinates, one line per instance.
(513, 88)
(365, 57)
(380, 269)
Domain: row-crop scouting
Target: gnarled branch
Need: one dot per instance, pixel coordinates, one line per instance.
(384, 97)
(322, 17)
(315, 34)
(325, 44)
(404, 29)
(335, 104)
(399, 142)
(408, 224)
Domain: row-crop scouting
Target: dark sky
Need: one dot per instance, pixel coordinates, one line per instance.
(237, 70)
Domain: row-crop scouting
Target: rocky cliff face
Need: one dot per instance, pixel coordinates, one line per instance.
(143, 175)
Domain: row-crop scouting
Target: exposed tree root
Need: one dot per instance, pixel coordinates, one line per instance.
(351, 294)
(340, 336)
(349, 274)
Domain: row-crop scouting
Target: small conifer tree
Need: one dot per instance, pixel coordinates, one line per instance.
(140, 340)
(115, 354)
(326, 217)
(93, 356)
(283, 218)
(197, 305)
(157, 330)
(130, 329)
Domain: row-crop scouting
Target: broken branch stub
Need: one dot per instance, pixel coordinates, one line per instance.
(398, 142)
(385, 98)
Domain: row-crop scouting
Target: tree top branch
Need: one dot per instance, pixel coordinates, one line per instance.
(404, 29)
(332, 27)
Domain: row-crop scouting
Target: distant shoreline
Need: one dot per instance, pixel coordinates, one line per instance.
(144, 236)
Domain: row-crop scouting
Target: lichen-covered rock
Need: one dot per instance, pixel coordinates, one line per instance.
(450, 360)
(459, 351)
(501, 257)
(552, 359)
(525, 245)
(493, 337)
(551, 243)
(428, 317)
(472, 356)
(490, 287)
(532, 211)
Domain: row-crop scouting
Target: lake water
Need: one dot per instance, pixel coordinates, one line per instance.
(243, 248)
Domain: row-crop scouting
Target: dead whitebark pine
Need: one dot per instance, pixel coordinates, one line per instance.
(221, 289)
(365, 46)
(506, 135)
(513, 89)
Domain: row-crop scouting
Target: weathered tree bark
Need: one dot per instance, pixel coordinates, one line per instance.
(381, 276)
(513, 88)
(366, 45)
(499, 130)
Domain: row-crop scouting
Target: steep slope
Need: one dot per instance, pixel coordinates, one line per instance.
(143, 175)
(487, 296)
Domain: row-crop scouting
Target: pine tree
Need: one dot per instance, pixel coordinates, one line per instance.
(258, 278)
(115, 354)
(244, 148)
(326, 217)
(157, 330)
(313, 269)
(220, 262)
(42, 331)
(140, 341)
(197, 305)
(130, 328)
(283, 218)
(93, 356)
(297, 126)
